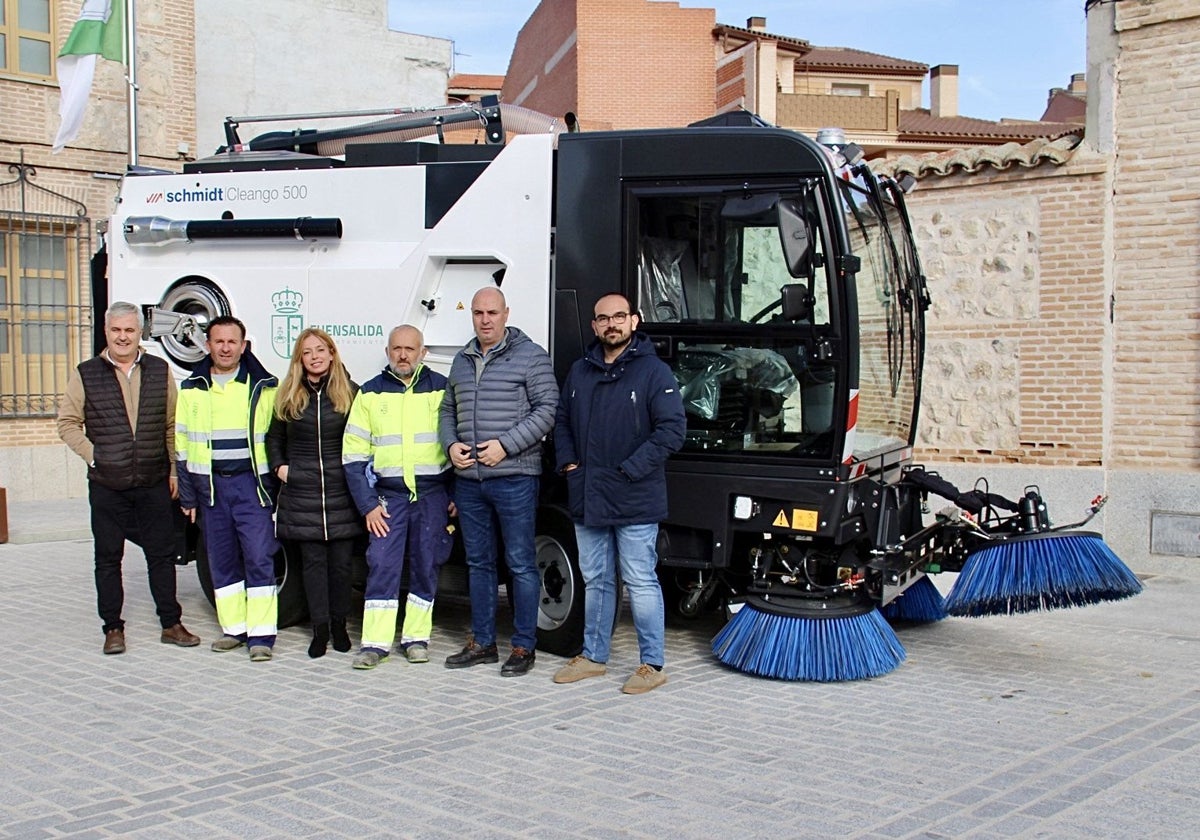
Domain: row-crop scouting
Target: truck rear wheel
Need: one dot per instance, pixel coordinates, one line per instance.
(293, 606)
(560, 612)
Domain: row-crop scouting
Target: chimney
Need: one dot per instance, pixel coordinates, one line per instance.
(1078, 85)
(943, 90)
(757, 24)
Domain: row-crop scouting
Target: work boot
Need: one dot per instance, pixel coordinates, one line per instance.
(473, 654)
(519, 662)
(417, 653)
(367, 659)
(337, 632)
(260, 653)
(320, 641)
(114, 641)
(579, 668)
(178, 635)
(227, 643)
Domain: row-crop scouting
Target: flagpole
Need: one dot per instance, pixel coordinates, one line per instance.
(131, 78)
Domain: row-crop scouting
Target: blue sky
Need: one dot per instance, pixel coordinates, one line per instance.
(1009, 54)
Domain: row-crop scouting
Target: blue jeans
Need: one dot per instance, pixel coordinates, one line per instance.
(632, 548)
(511, 503)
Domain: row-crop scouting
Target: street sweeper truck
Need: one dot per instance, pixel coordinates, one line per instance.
(776, 275)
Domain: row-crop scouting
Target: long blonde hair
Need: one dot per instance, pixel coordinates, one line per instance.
(292, 398)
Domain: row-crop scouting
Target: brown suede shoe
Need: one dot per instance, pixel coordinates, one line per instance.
(178, 635)
(114, 641)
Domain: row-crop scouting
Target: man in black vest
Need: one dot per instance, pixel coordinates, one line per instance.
(118, 415)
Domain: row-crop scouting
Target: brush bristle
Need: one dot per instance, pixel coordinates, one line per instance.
(920, 603)
(1048, 573)
(817, 650)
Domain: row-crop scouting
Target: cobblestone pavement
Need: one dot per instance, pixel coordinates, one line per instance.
(1079, 724)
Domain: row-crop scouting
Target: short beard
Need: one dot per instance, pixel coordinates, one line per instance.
(396, 370)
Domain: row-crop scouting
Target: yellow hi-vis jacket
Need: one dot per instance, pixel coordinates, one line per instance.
(224, 430)
(392, 430)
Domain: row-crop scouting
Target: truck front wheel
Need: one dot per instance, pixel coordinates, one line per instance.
(560, 612)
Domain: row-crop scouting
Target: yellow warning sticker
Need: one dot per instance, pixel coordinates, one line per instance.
(804, 520)
(781, 521)
(460, 307)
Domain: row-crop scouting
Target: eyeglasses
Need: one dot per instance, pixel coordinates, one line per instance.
(617, 318)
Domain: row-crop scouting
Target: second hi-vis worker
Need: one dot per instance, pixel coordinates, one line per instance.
(221, 422)
(391, 440)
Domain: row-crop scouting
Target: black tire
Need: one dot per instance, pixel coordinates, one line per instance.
(560, 612)
(293, 606)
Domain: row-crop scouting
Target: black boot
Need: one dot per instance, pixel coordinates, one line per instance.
(320, 641)
(341, 639)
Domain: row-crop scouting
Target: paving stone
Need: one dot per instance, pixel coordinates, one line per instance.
(1033, 726)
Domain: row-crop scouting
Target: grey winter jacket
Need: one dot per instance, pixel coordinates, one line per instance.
(509, 395)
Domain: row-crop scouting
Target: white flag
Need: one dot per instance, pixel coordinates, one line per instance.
(100, 31)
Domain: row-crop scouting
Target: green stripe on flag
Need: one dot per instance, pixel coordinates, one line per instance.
(100, 30)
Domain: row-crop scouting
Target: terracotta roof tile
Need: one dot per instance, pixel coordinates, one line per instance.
(750, 34)
(920, 123)
(1024, 155)
(475, 81)
(844, 58)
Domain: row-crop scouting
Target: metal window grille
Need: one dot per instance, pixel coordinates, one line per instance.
(45, 313)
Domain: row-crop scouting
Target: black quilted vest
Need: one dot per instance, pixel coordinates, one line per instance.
(124, 458)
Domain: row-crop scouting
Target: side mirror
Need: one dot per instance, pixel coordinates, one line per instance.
(797, 302)
(796, 238)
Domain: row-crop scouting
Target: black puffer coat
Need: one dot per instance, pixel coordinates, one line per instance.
(315, 503)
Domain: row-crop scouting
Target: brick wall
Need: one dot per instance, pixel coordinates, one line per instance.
(617, 63)
(1014, 368)
(1156, 238)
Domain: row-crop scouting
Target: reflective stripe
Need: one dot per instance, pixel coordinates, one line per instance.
(356, 458)
(231, 589)
(387, 440)
(242, 454)
(231, 608)
(261, 611)
(357, 431)
(418, 620)
(198, 469)
(379, 623)
(199, 437)
(228, 434)
(418, 469)
(425, 437)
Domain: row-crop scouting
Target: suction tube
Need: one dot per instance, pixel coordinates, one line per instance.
(159, 230)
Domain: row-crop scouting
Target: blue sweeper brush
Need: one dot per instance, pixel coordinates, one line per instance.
(921, 603)
(1035, 567)
(817, 638)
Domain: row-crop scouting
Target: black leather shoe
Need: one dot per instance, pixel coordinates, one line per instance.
(473, 654)
(519, 662)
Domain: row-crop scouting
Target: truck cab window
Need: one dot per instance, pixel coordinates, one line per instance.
(712, 271)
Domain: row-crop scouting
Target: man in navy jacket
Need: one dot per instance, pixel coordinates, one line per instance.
(620, 416)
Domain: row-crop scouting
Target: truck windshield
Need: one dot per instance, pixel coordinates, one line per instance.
(889, 338)
(738, 318)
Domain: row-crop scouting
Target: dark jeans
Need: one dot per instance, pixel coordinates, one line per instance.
(144, 513)
(327, 578)
(509, 502)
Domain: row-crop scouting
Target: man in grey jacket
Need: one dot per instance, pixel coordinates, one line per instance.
(499, 405)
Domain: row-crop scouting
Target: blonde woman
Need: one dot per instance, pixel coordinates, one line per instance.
(304, 445)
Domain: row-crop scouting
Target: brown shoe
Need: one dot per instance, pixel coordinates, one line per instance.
(114, 641)
(179, 635)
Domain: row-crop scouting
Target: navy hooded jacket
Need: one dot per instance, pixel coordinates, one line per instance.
(619, 423)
